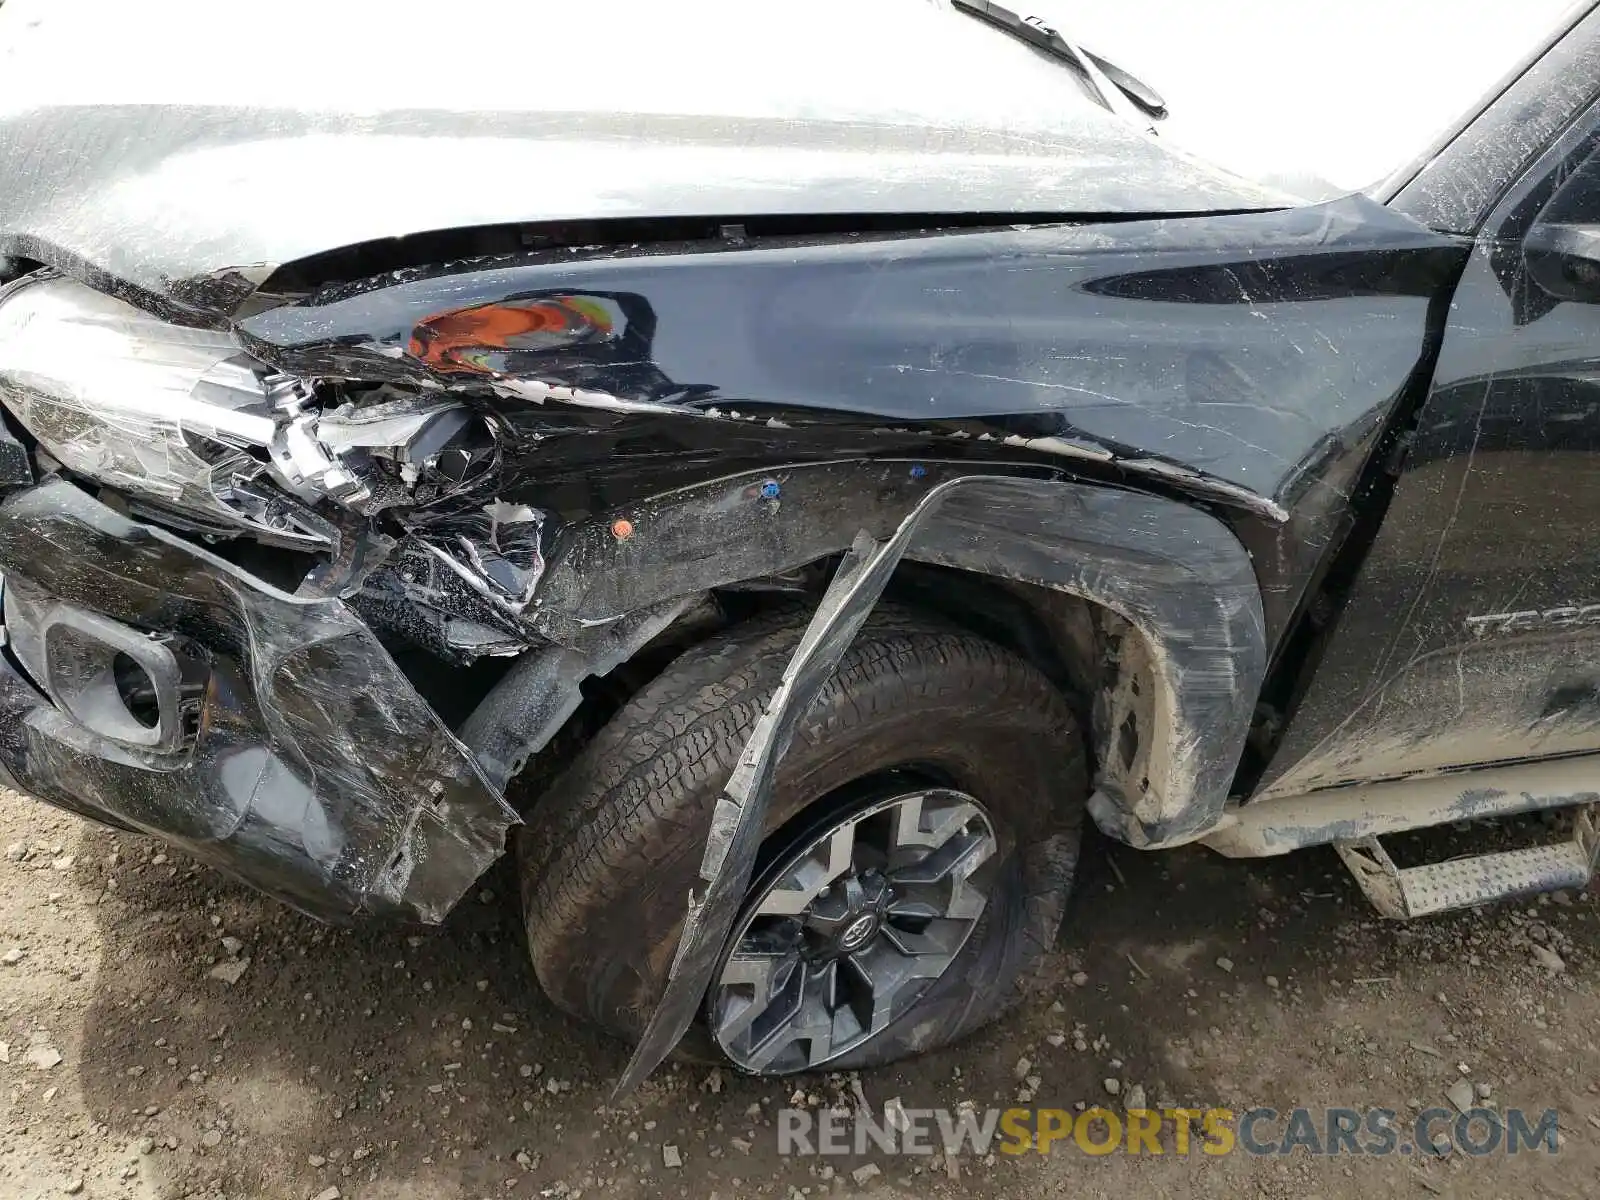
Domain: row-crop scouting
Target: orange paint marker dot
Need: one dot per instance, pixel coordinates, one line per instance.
(622, 529)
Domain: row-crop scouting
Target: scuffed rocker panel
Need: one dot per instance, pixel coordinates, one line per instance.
(316, 772)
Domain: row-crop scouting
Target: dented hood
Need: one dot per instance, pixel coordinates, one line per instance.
(216, 138)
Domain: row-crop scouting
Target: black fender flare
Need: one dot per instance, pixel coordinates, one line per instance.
(1176, 574)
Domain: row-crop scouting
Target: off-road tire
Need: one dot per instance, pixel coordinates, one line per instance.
(611, 851)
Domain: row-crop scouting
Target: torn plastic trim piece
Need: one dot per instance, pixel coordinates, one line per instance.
(501, 547)
(319, 774)
(736, 823)
(430, 600)
(1177, 574)
(529, 705)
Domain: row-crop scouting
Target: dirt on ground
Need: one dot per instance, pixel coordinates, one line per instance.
(165, 1033)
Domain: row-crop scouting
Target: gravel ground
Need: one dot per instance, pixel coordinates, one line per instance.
(167, 1033)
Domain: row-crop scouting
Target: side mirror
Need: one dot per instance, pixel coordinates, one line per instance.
(1564, 260)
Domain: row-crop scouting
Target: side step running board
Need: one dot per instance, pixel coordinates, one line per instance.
(1474, 879)
(1281, 824)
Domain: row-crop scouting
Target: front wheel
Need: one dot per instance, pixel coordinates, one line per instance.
(920, 843)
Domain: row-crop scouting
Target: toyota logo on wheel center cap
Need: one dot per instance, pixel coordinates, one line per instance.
(858, 932)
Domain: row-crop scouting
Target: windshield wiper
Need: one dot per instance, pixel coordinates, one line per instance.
(1042, 37)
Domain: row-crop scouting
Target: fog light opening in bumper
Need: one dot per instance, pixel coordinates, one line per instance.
(141, 689)
(136, 690)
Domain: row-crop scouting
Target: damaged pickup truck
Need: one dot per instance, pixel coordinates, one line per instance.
(778, 492)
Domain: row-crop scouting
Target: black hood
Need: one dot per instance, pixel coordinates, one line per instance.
(228, 145)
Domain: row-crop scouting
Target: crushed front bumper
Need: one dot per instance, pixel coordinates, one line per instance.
(273, 736)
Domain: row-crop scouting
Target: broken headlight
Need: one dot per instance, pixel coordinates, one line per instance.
(184, 423)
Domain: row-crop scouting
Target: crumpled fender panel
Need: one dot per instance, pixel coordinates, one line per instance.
(317, 773)
(1252, 361)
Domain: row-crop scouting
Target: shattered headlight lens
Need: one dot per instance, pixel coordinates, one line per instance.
(186, 425)
(173, 415)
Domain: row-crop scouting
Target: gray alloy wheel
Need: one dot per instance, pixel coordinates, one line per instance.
(844, 934)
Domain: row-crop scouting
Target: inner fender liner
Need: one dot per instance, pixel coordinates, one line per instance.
(317, 773)
(1176, 574)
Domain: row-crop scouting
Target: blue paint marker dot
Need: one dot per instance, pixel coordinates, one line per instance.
(770, 490)
(918, 471)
